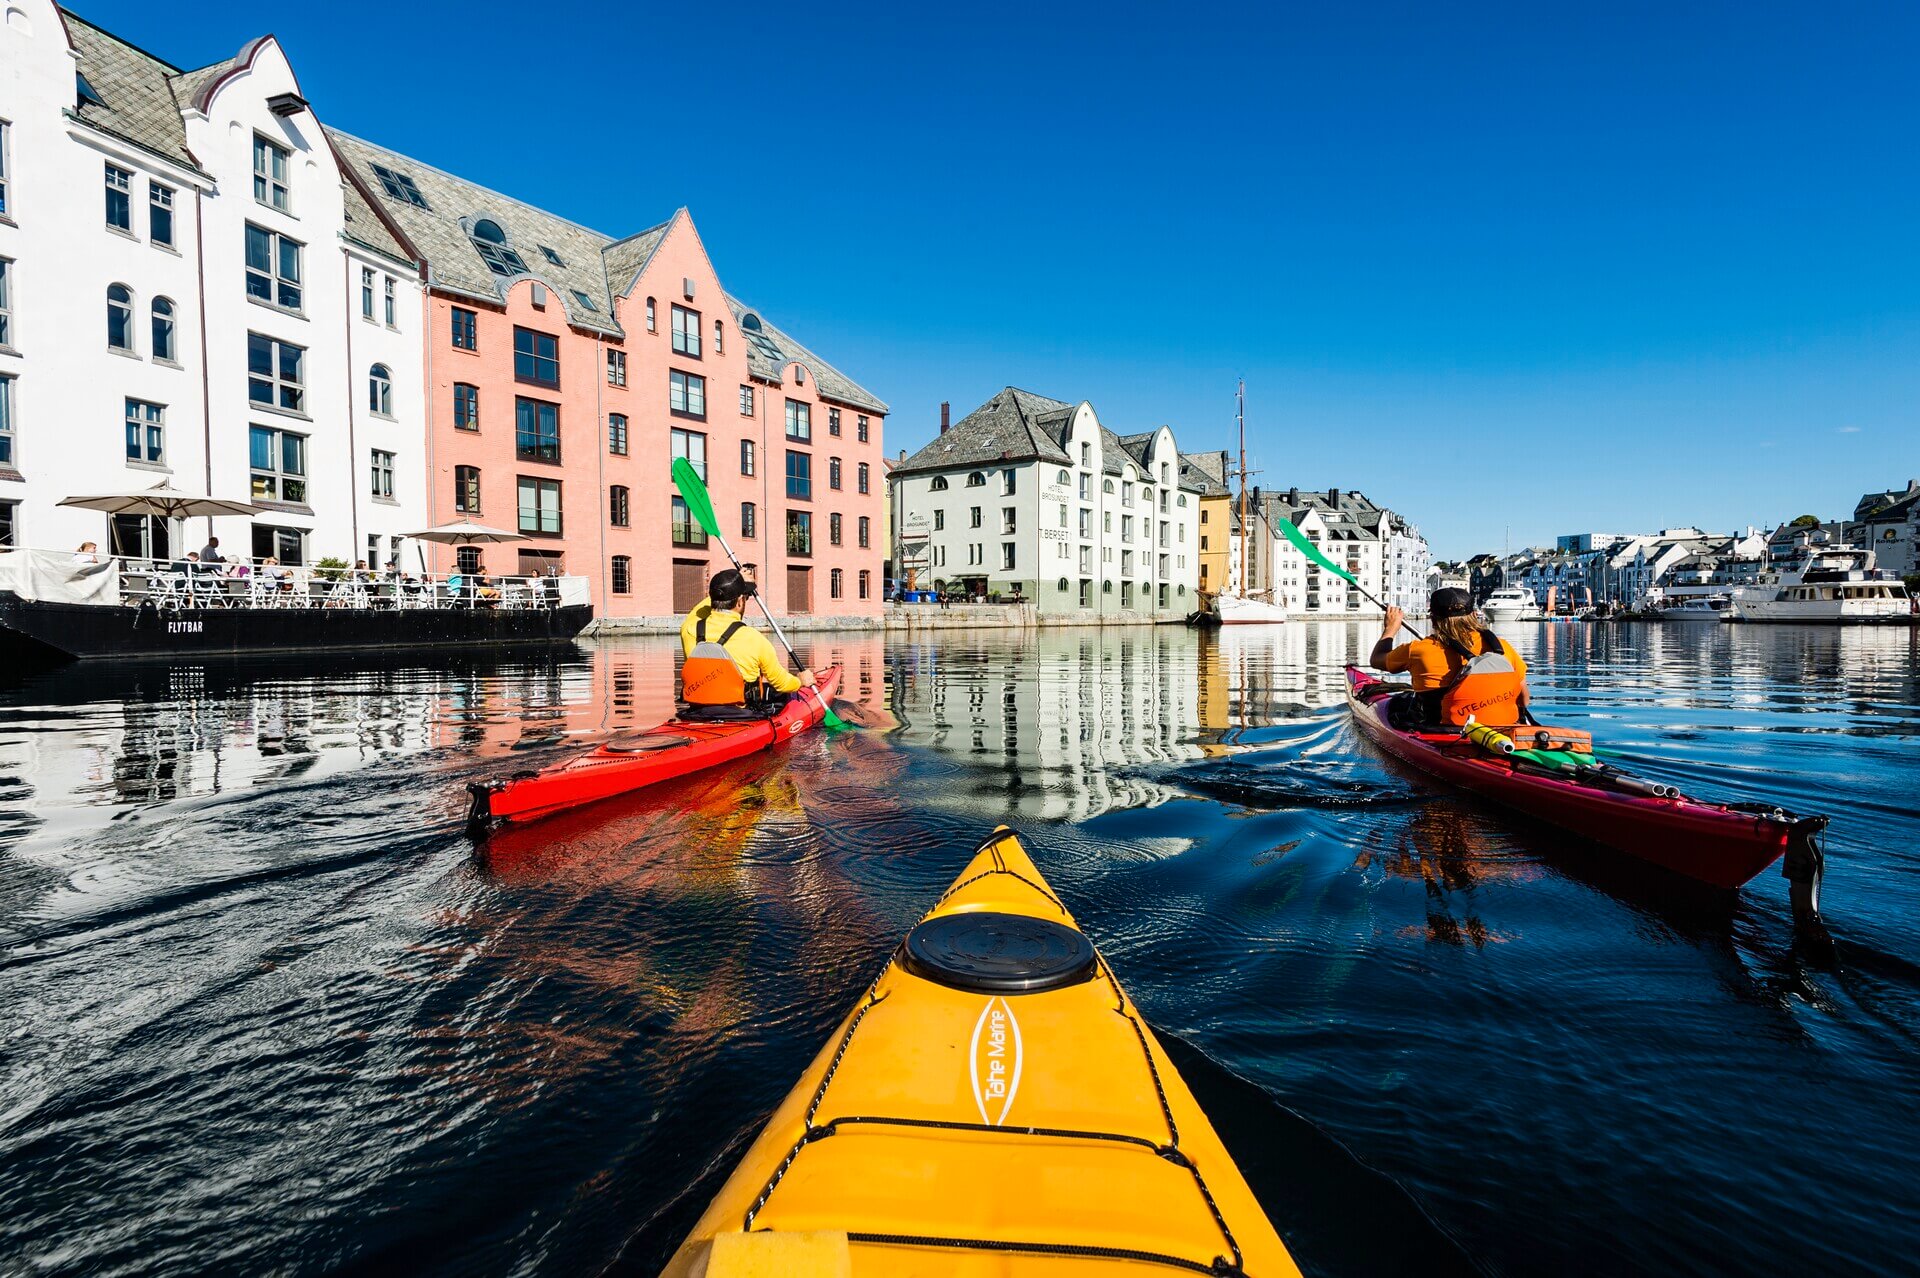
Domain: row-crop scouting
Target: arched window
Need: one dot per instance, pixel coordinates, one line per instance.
(467, 558)
(833, 472)
(380, 390)
(491, 243)
(1181, 501)
(1106, 587)
(1106, 486)
(163, 330)
(719, 336)
(653, 316)
(939, 484)
(976, 480)
(1065, 479)
(1062, 586)
(466, 489)
(119, 317)
(622, 574)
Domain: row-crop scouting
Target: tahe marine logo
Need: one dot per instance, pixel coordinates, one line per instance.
(993, 1061)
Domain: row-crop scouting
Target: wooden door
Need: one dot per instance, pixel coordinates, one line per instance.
(799, 590)
(690, 578)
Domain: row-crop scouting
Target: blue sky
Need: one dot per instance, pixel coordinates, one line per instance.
(1514, 271)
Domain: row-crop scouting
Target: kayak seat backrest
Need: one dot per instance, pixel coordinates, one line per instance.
(640, 745)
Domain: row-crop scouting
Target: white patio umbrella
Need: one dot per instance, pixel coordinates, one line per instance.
(164, 501)
(462, 532)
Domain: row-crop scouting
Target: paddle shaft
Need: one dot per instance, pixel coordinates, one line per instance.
(768, 614)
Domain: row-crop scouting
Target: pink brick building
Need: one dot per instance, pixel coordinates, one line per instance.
(566, 370)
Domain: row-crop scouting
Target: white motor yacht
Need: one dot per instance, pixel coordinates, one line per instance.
(1511, 603)
(1831, 582)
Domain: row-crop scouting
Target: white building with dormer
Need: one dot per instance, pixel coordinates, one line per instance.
(192, 291)
(1034, 498)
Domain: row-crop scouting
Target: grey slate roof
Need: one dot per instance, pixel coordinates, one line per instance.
(439, 232)
(769, 350)
(365, 228)
(1014, 425)
(625, 259)
(1204, 473)
(140, 106)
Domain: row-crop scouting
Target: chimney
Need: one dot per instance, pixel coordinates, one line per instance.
(1293, 496)
(1333, 497)
(946, 416)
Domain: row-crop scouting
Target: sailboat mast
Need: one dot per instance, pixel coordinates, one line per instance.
(1246, 533)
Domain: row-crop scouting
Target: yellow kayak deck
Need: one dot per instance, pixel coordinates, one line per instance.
(959, 1124)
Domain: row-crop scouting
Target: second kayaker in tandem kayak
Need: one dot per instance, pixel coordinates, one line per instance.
(731, 670)
(1462, 670)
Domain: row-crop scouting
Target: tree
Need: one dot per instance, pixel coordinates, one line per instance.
(1806, 521)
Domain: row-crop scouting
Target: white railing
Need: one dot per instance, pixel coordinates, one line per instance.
(257, 583)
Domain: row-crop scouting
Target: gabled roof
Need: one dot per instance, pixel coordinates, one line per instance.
(440, 232)
(770, 350)
(625, 259)
(1204, 473)
(136, 88)
(1014, 425)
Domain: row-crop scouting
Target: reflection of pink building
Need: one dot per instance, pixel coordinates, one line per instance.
(567, 370)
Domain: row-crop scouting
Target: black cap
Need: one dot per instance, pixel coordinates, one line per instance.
(729, 584)
(1450, 601)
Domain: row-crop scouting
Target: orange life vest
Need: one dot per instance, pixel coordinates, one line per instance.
(708, 676)
(1486, 688)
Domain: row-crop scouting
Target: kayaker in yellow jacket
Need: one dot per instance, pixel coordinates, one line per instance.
(1462, 669)
(728, 662)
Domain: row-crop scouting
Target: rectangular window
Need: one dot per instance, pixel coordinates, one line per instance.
(860, 433)
(1006, 555)
(617, 505)
(6, 170)
(833, 473)
(686, 331)
(273, 267)
(622, 574)
(366, 292)
(835, 580)
(160, 214)
(746, 401)
(270, 173)
(687, 531)
(1126, 528)
(617, 434)
(146, 432)
(799, 532)
(6, 420)
(393, 307)
(799, 476)
(746, 457)
(536, 429)
(1086, 559)
(973, 517)
(833, 529)
(536, 357)
(749, 520)
(866, 583)
(866, 532)
(687, 394)
(1086, 522)
(9, 523)
(119, 199)
(864, 478)
(278, 460)
(382, 476)
(1007, 520)
(6, 301)
(799, 421)
(466, 328)
(539, 505)
(833, 421)
(276, 373)
(1086, 488)
(466, 406)
(616, 367)
(466, 489)
(1007, 480)
(693, 446)
(939, 520)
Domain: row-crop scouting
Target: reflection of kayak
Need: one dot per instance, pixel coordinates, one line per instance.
(1717, 843)
(674, 749)
(993, 1105)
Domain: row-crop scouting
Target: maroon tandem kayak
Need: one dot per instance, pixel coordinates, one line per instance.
(1717, 843)
(674, 749)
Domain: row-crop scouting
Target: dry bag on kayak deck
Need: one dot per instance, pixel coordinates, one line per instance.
(708, 677)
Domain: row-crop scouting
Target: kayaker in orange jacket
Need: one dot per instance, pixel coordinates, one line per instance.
(1461, 670)
(727, 660)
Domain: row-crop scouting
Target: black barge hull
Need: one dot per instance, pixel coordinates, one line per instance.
(95, 632)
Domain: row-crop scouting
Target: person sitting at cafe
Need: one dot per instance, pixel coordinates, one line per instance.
(210, 553)
(89, 553)
(1462, 670)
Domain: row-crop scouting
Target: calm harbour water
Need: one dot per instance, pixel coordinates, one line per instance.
(263, 1009)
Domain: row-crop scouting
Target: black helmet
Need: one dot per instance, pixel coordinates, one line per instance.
(1450, 601)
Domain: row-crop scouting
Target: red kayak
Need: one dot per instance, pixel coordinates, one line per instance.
(674, 749)
(1715, 843)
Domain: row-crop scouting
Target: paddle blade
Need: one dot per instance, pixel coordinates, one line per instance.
(1306, 547)
(694, 493)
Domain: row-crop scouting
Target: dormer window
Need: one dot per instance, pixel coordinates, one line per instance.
(491, 243)
(552, 257)
(85, 94)
(585, 301)
(399, 186)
